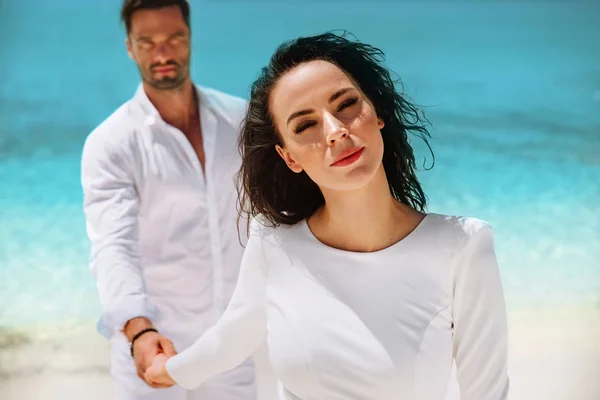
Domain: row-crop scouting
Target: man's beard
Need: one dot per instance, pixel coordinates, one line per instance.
(166, 82)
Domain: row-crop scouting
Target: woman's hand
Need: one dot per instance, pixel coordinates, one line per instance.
(156, 375)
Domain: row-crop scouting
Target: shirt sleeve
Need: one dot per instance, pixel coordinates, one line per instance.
(480, 321)
(238, 333)
(111, 210)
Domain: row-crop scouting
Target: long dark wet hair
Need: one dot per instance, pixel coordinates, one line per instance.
(267, 187)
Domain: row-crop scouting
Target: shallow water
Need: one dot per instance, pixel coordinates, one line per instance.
(512, 91)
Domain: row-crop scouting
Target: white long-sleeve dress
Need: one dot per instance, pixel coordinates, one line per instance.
(383, 325)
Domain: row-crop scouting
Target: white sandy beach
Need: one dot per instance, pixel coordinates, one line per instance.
(553, 356)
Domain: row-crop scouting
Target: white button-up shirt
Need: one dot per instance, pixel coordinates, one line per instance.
(164, 233)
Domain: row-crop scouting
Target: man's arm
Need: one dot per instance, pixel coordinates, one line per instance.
(111, 209)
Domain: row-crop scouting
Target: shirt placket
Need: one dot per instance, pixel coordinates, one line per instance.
(209, 132)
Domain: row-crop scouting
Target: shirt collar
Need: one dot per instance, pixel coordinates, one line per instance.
(151, 115)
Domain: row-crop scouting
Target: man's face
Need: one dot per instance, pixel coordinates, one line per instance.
(159, 43)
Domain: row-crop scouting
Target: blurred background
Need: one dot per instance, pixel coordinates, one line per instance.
(512, 89)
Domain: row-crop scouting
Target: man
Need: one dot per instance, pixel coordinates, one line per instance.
(160, 205)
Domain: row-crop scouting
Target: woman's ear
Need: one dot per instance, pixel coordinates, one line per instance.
(380, 123)
(289, 161)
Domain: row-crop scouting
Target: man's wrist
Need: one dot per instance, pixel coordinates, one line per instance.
(137, 336)
(136, 325)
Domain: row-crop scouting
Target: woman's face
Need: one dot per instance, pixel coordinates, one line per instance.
(328, 126)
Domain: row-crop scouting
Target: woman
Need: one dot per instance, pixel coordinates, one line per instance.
(359, 293)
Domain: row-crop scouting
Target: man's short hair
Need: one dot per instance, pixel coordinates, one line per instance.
(131, 6)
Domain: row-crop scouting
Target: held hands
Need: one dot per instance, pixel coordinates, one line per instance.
(156, 375)
(151, 349)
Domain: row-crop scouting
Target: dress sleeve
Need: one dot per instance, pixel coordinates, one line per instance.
(480, 321)
(238, 333)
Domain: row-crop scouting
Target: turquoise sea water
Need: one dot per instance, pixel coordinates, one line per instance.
(512, 90)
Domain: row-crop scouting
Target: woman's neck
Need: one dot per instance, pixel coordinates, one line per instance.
(363, 220)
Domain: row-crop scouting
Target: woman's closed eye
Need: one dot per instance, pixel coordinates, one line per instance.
(307, 124)
(304, 125)
(347, 103)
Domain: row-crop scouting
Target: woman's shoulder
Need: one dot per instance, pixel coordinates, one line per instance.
(457, 227)
(260, 226)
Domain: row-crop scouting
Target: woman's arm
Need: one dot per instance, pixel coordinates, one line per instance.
(480, 323)
(237, 334)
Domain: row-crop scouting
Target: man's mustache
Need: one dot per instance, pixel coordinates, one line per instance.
(167, 64)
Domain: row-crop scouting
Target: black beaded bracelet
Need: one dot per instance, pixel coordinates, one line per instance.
(137, 336)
